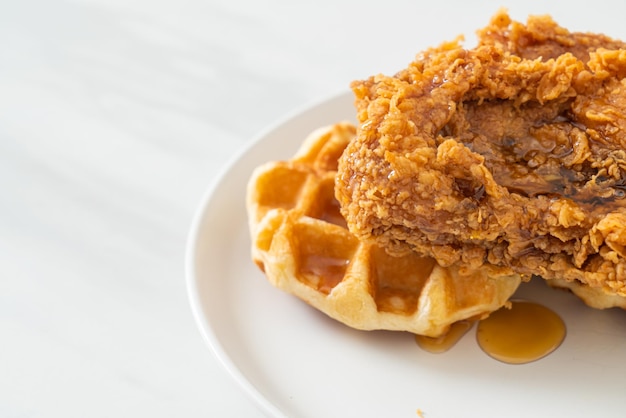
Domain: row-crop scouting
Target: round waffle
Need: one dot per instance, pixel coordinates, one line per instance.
(301, 242)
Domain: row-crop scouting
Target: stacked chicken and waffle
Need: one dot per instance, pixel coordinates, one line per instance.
(469, 172)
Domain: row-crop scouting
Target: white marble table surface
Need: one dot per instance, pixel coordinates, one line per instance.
(115, 115)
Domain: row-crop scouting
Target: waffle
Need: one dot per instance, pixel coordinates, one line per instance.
(593, 297)
(302, 244)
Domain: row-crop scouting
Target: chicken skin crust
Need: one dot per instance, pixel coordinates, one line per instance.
(512, 153)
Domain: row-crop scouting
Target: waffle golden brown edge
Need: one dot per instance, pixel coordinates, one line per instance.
(510, 154)
(301, 242)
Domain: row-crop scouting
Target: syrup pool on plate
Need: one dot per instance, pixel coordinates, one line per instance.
(522, 333)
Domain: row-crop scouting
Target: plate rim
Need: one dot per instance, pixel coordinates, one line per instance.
(200, 215)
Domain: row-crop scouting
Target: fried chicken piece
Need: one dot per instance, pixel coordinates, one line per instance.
(511, 153)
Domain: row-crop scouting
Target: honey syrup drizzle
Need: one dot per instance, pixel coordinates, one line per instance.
(519, 334)
(442, 344)
(524, 333)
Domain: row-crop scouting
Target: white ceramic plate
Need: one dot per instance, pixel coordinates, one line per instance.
(296, 362)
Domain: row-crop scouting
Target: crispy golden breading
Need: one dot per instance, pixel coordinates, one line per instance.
(512, 153)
